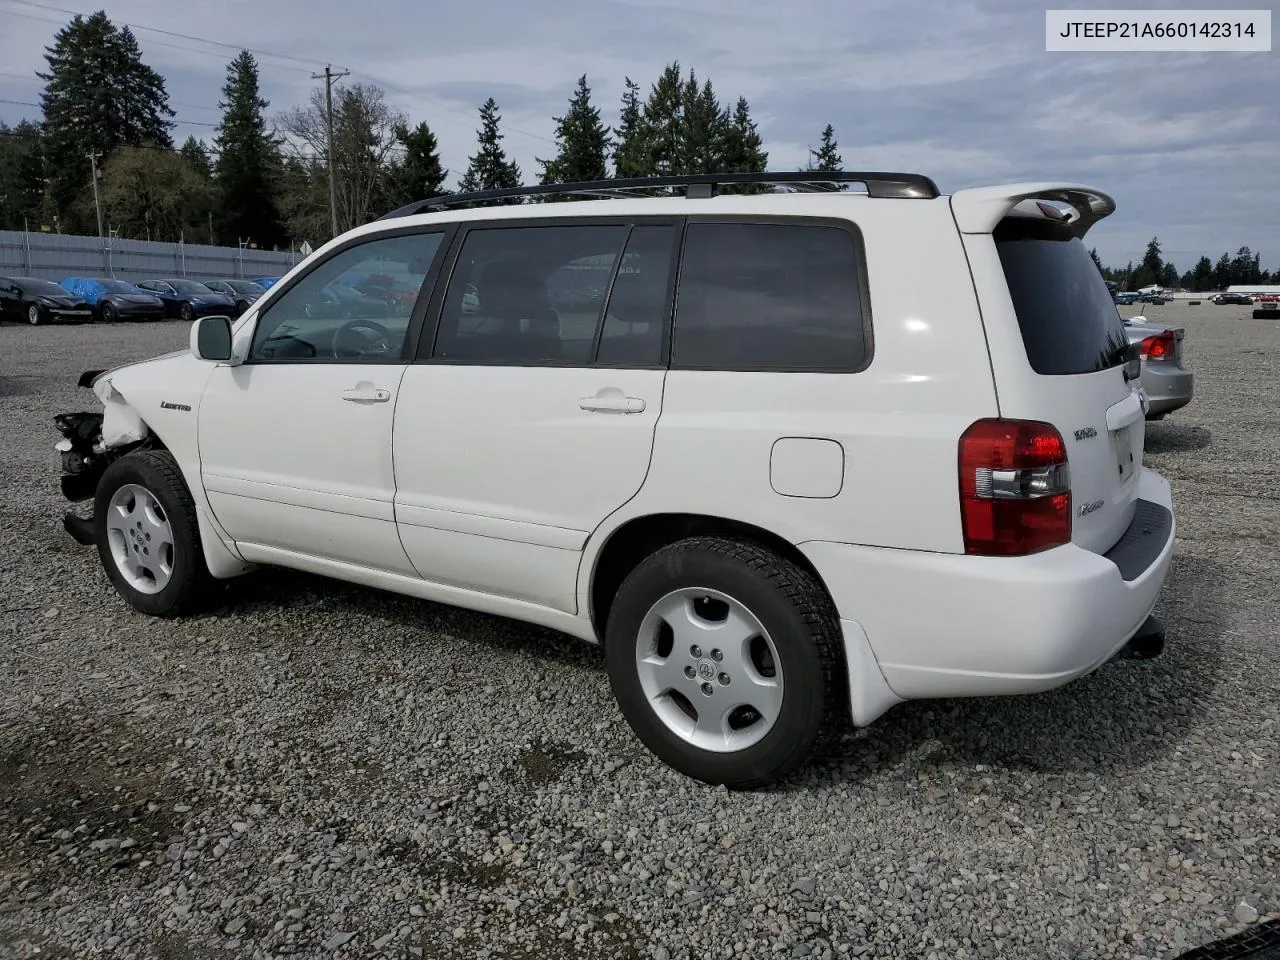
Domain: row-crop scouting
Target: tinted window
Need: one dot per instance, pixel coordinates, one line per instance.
(769, 297)
(355, 306)
(41, 288)
(528, 294)
(1069, 321)
(634, 321)
(247, 286)
(117, 286)
(188, 286)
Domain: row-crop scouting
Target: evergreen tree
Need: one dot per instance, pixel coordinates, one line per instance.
(743, 148)
(489, 167)
(702, 130)
(629, 152)
(248, 166)
(1168, 276)
(420, 175)
(21, 176)
(98, 96)
(661, 125)
(1222, 272)
(582, 141)
(1092, 253)
(197, 156)
(827, 158)
(1202, 276)
(1150, 269)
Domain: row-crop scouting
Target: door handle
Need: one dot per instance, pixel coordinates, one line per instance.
(612, 403)
(366, 394)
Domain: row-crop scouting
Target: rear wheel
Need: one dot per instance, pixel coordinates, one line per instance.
(33, 315)
(109, 313)
(147, 535)
(725, 659)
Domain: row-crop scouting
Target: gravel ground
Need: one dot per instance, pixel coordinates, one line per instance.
(318, 770)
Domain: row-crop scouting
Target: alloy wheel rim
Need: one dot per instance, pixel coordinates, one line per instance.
(709, 670)
(140, 538)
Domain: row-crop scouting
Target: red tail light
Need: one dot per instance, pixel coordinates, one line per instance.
(1159, 347)
(1015, 488)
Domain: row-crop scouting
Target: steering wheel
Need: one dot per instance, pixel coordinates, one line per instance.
(374, 339)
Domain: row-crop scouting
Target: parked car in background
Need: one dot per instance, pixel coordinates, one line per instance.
(188, 299)
(1236, 298)
(1167, 384)
(114, 300)
(266, 282)
(40, 301)
(1126, 297)
(244, 293)
(1266, 307)
(1152, 298)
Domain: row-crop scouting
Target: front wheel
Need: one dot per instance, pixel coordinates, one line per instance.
(725, 658)
(188, 312)
(33, 315)
(147, 534)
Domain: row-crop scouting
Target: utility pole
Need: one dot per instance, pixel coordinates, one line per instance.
(93, 165)
(328, 77)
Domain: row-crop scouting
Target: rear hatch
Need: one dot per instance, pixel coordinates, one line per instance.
(1077, 346)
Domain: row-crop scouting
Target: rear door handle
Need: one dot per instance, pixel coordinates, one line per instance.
(366, 394)
(612, 403)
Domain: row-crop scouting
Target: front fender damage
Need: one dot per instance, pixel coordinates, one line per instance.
(90, 442)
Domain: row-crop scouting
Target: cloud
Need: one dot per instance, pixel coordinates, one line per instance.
(962, 91)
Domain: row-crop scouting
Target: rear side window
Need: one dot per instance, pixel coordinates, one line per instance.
(1068, 319)
(770, 296)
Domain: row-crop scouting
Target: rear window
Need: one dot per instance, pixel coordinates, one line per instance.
(1068, 318)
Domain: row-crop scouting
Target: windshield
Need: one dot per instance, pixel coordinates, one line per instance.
(247, 286)
(40, 288)
(189, 286)
(118, 286)
(1068, 318)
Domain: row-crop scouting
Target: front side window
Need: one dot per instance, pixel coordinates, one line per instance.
(353, 307)
(770, 296)
(528, 295)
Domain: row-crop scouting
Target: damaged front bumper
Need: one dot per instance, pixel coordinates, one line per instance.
(86, 454)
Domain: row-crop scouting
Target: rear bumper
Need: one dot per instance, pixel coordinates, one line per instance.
(1167, 389)
(948, 625)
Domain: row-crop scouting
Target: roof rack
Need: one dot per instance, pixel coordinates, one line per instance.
(912, 186)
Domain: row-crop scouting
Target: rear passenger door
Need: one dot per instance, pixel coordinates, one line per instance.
(529, 415)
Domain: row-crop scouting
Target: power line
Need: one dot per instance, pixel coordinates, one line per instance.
(173, 33)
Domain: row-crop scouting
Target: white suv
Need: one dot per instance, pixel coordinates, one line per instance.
(793, 457)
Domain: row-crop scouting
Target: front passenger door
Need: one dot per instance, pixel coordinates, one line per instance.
(295, 443)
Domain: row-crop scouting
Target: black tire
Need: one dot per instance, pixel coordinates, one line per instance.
(188, 312)
(241, 306)
(109, 313)
(157, 472)
(33, 314)
(797, 614)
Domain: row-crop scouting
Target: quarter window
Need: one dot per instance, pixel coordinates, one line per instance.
(768, 296)
(354, 307)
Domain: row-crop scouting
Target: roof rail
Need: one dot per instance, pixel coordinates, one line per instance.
(698, 186)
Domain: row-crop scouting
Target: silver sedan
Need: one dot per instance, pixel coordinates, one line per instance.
(1165, 381)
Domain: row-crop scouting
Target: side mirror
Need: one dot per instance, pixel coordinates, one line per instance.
(211, 339)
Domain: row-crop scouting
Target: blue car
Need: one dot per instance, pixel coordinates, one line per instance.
(188, 300)
(114, 300)
(1127, 298)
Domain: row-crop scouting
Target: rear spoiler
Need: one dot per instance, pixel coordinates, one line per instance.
(980, 209)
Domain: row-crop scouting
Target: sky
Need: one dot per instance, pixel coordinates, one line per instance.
(1187, 143)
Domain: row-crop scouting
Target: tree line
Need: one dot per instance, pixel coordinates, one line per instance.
(1244, 269)
(264, 181)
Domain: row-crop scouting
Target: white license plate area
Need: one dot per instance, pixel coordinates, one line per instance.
(1122, 448)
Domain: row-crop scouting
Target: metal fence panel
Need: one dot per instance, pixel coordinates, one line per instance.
(55, 256)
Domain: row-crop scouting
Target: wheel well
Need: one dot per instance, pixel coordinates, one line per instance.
(639, 538)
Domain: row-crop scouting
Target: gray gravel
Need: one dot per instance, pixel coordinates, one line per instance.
(318, 770)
